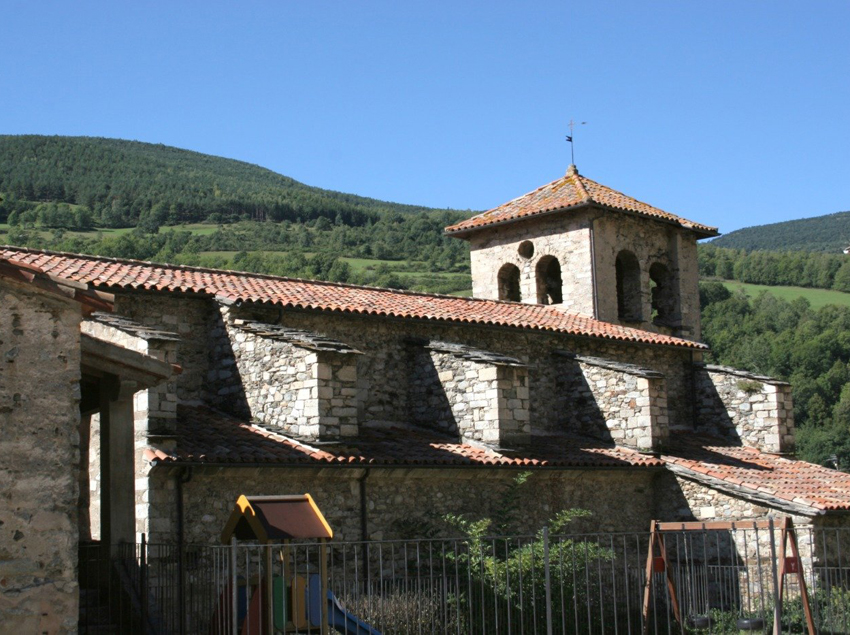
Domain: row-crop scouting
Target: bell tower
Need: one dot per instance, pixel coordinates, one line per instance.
(581, 247)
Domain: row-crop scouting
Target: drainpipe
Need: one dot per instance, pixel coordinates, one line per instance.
(364, 517)
(364, 522)
(183, 477)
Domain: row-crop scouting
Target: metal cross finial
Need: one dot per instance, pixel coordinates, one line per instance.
(572, 125)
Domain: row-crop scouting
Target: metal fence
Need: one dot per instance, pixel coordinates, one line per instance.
(702, 581)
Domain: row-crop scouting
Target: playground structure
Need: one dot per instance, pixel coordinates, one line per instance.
(724, 577)
(658, 562)
(275, 596)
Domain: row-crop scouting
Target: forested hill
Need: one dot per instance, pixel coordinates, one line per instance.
(830, 233)
(121, 182)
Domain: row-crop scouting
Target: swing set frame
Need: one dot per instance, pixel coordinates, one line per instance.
(787, 564)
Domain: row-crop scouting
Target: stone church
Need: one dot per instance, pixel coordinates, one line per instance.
(144, 398)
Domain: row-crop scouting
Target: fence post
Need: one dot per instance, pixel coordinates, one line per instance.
(234, 589)
(143, 581)
(777, 607)
(181, 588)
(548, 581)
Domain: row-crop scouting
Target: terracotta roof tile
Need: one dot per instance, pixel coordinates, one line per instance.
(571, 191)
(211, 437)
(232, 286)
(751, 470)
(207, 436)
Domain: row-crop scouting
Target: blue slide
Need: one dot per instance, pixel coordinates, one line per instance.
(338, 618)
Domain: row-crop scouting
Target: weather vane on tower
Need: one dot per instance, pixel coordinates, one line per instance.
(572, 125)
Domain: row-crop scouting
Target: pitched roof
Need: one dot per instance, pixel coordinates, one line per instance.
(206, 436)
(571, 191)
(24, 273)
(231, 286)
(760, 476)
(209, 437)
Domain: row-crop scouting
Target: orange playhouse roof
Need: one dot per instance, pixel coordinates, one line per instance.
(274, 518)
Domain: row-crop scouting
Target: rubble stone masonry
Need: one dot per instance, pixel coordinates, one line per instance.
(622, 403)
(407, 503)
(651, 242)
(566, 238)
(754, 410)
(39, 461)
(305, 392)
(392, 377)
(473, 399)
(586, 243)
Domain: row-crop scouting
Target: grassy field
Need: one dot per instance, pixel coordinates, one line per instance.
(817, 297)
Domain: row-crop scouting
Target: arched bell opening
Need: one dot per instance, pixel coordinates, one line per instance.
(549, 282)
(509, 283)
(628, 287)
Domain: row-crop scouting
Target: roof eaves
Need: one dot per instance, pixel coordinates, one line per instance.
(759, 496)
(461, 232)
(704, 231)
(679, 343)
(233, 297)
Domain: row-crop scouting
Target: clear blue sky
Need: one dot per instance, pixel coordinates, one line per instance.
(730, 113)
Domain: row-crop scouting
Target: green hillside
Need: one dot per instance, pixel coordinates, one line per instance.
(152, 202)
(830, 234)
(121, 181)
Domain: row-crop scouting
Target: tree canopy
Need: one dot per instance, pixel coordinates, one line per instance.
(789, 340)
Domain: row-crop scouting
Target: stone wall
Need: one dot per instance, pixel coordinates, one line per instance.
(680, 498)
(289, 383)
(651, 242)
(566, 238)
(586, 243)
(192, 319)
(155, 409)
(383, 370)
(90, 505)
(616, 402)
(752, 410)
(465, 394)
(278, 381)
(39, 461)
(407, 503)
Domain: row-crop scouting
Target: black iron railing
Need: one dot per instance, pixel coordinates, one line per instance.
(706, 582)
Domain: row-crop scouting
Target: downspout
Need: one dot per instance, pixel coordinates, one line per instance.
(183, 477)
(364, 522)
(364, 516)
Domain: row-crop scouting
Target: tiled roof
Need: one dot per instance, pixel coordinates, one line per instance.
(572, 190)
(230, 286)
(207, 436)
(24, 273)
(761, 475)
